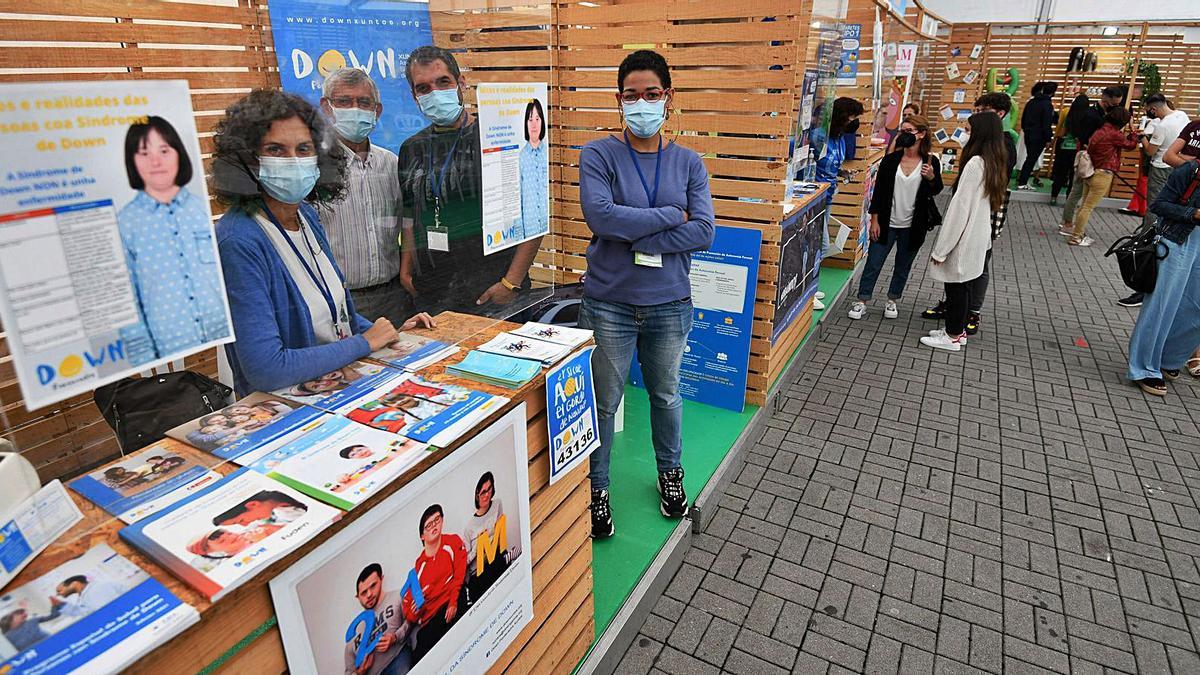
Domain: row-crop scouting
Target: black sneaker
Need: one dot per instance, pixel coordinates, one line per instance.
(602, 525)
(1170, 375)
(672, 499)
(1134, 300)
(973, 321)
(936, 312)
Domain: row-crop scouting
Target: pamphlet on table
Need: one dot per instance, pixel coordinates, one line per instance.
(522, 347)
(233, 430)
(339, 461)
(430, 412)
(334, 388)
(225, 534)
(145, 482)
(563, 335)
(413, 352)
(28, 529)
(97, 613)
(497, 370)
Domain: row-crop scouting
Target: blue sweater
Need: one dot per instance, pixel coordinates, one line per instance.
(623, 221)
(276, 346)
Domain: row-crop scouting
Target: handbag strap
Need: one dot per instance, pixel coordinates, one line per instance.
(1191, 188)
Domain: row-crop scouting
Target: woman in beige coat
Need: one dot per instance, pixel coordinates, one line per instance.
(966, 234)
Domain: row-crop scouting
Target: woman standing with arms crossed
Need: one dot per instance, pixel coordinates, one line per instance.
(646, 201)
(962, 244)
(902, 212)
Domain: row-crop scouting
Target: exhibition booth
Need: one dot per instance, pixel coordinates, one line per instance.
(182, 495)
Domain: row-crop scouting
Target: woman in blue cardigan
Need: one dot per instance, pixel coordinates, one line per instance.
(292, 316)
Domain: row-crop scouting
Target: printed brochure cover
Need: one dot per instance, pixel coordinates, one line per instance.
(225, 534)
(97, 613)
(436, 413)
(145, 482)
(522, 347)
(234, 429)
(340, 461)
(339, 386)
(563, 335)
(413, 352)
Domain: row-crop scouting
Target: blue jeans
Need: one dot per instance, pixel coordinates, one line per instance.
(1168, 327)
(877, 254)
(659, 333)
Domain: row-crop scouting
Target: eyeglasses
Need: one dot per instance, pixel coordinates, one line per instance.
(364, 102)
(652, 96)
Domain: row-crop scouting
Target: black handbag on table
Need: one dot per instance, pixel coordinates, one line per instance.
(141, 410)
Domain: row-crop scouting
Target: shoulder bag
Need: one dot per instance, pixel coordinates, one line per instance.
(1083, 164)
(1138, 254)
(141, 410)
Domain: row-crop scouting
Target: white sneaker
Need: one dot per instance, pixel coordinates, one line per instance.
(1066, 231)
(818, 305)
(940, 340)
(1087, 241)
(858, 310)
(820, 295)
(890, 311)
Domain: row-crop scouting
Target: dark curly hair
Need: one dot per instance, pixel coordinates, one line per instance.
(239, 135)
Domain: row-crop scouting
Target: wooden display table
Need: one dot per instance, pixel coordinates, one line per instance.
(239, 634)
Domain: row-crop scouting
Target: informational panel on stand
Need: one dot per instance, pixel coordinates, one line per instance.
(799, 264)
(108, 263)
(717, 357)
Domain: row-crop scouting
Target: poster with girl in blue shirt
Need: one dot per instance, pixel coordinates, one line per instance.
(110, 264)
(514, 143)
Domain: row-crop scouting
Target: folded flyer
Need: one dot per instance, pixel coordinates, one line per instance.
(225, 534)
(145, 482)
(563, 335)
(27, 529)
(430, 412)
(503, 371)
(413, 352)
(97, 613)
(340, 461)
(334, 388)
(522, 347)
(227, 432)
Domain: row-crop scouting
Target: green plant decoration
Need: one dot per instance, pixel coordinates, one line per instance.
(1148, 76)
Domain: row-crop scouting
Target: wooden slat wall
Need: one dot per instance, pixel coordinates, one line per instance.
(735, 68)
(217, 45)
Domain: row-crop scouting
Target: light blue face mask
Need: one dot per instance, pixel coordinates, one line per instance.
(288, 179)
(645, 118)
(441, 106)
(354, 124)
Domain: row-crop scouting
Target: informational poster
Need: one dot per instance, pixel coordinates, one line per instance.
(108, 263)
(906, 58)
(571, 413)
(847, 73)
(436, 578)
(799, 265)
(314, 37)
(514, 140)
(724, 280)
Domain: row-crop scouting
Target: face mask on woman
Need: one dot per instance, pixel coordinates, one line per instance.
(441, 106)
(645, 118)
(851, 127)
(354, 124)
(906, 139)
(288, 179)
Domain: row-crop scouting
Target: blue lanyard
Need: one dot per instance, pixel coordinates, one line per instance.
(651, 196)
(437, 180)
(321, 284)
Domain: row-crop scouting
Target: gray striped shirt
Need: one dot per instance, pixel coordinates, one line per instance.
(363, 228)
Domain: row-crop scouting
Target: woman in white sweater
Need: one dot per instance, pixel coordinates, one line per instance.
(966, 234)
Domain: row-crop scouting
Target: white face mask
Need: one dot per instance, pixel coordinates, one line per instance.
(288, 179)
(354, 124)
(645, 118)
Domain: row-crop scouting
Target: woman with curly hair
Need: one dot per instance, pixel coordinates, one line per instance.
(293, 317)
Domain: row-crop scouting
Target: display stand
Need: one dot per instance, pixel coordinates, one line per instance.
(239, 633)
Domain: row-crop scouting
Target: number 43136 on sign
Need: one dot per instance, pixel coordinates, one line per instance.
(571, 413)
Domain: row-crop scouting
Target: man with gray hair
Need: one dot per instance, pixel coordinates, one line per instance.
(364, 228)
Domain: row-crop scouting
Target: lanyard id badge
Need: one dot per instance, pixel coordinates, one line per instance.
(337, 311)
(647, 259)
(439, 234)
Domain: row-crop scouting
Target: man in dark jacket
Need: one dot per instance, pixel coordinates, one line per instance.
(1037, 121)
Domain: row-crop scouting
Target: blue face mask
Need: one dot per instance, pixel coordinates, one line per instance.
(288, 179)
(645, 118)
(441, 106)
(354, 124)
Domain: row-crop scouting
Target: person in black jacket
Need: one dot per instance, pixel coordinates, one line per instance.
(1084, 127)
(1037, 121)
(1066, 147)
(902, 212)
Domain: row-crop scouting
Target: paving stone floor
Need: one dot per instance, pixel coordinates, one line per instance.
(1018, 507)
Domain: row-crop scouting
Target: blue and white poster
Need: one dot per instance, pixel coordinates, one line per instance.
(314, 38)
(847, 72)
(799, 265)
(571, 413)
(716, 360)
